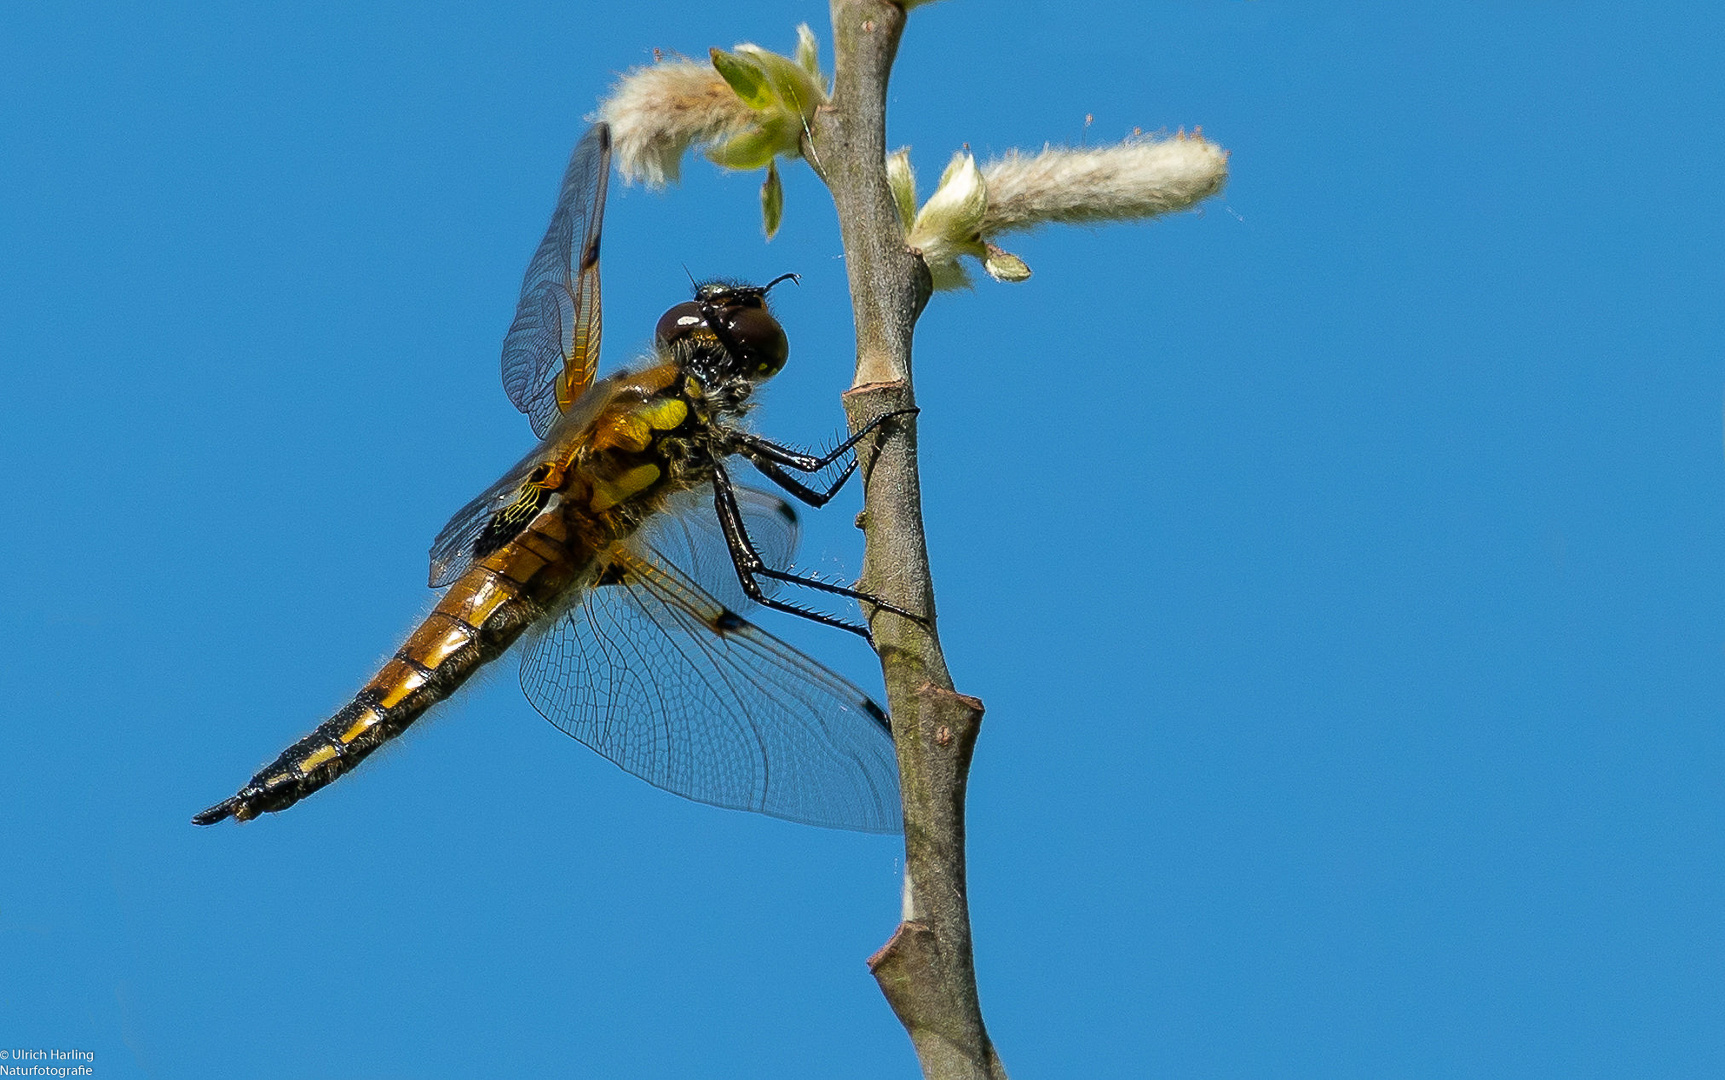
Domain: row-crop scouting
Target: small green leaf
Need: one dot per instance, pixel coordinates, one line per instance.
(791, 86)
(754, 148)
(772, 200)
(745, 76)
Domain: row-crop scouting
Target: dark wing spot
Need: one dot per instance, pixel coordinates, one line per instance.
(727, 620)
(878, 713)
(613, 574)
(507, 523)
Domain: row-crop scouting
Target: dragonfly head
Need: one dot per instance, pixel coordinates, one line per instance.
(732, 331)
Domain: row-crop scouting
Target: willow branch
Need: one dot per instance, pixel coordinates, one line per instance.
(925, 970)
(752, 106)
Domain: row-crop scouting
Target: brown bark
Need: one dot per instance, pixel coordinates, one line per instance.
(926, 969)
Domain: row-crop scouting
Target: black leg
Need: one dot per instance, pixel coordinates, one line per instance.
(757, 449)
(799, 490)
(750, 566)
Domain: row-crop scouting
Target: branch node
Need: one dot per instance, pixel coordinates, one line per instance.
(953, 715)
(908, 937)
(864, 391)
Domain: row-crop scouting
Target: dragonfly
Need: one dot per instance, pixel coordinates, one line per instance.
(623, 559)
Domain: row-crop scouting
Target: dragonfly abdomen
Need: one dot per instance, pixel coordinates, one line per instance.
(484, 612)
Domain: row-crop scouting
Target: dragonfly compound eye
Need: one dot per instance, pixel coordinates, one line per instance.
(680, 322)
(761, 339)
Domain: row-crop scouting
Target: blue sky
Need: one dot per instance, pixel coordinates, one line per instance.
(1340, 565)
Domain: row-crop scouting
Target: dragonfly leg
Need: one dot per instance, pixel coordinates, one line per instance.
(773, 459)
(799, 490)
(757, 449)
(751, 566)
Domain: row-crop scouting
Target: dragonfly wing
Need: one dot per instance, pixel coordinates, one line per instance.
(552, 348)
(672, 686)
(453, 550)
(687, 535)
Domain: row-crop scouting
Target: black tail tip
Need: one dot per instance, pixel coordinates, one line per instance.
(219, 812)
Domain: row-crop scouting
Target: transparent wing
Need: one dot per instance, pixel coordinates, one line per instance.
(687, 536)
(552, 348)
(671, 685)
(452, 551)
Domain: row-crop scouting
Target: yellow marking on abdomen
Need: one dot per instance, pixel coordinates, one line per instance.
(608, 493)
(542, 544)
(536, 562)
(365, 723)
(437, 638)
(516, 561)
(315, 758)
(395, 682)
(475, 598)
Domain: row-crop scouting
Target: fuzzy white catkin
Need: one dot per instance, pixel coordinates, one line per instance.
(658, 111)
(948, 224)
(1139, 178)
